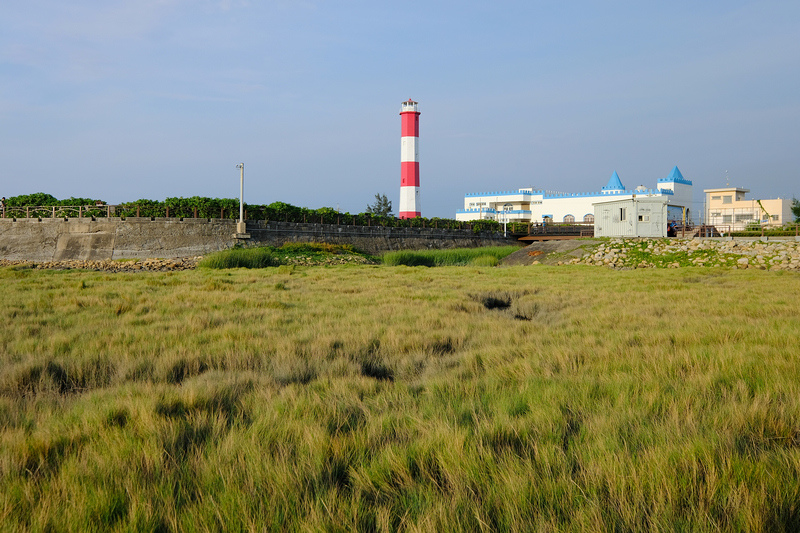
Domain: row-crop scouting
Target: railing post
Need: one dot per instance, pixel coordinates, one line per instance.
(167, 212)
(54, 212)
(137, 210)
(79, 212)
(27, 211)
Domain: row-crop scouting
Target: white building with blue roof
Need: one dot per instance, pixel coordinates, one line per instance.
(538, 206)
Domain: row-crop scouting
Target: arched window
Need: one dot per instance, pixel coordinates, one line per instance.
(569, 219)
(588, 218)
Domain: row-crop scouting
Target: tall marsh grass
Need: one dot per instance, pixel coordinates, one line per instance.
(485, 256)
(305, 253)
(240, 258)
(384, 399)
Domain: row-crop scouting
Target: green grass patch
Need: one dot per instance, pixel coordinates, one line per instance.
(288, 254)
(241, 258)
(485, 256)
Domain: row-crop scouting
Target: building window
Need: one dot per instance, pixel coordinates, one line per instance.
(569, 219)
(775, 218)
(727, 199)
(744, 216)
(727, 219)
(644, 218)
(621, 214)
(588, 218)
(716, 197)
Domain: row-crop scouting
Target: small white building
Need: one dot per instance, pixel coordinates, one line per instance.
(634, 217)
(538, 206)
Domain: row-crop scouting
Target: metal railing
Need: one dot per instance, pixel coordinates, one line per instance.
(57, 211)
(258, 213)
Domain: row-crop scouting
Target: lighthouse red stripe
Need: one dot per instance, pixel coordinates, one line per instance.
(409, 124)
(409, 174)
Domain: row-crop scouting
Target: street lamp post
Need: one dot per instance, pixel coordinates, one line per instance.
(241, 227)
(240, 166)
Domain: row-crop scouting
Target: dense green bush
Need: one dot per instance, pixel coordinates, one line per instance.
(142, 208)
(37, 199)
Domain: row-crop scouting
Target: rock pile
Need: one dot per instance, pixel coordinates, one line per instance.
(675, 253)
(109, 265)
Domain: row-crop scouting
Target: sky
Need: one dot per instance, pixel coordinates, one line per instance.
(124, 100)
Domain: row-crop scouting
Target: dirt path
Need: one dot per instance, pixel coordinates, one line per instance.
(550, 252)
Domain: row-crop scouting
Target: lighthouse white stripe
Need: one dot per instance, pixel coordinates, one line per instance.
(409, 199)
(409, 149)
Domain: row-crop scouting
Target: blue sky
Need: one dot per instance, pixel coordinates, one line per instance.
(121, 100)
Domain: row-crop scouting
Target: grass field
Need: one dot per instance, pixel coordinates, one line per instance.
(379, 398)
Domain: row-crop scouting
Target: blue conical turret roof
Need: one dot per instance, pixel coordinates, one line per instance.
(614, 183)
(675, 174)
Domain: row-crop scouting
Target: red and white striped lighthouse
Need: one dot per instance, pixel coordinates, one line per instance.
(409, 160)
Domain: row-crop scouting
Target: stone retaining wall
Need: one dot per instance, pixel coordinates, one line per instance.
(58, 239)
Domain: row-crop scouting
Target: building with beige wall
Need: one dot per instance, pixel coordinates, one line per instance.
(729, 210)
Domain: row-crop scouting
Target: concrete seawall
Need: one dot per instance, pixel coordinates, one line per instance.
(58, 239)
(371, 239)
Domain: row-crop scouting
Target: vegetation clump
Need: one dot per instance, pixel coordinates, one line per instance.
(287, 254)
(240, 258)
